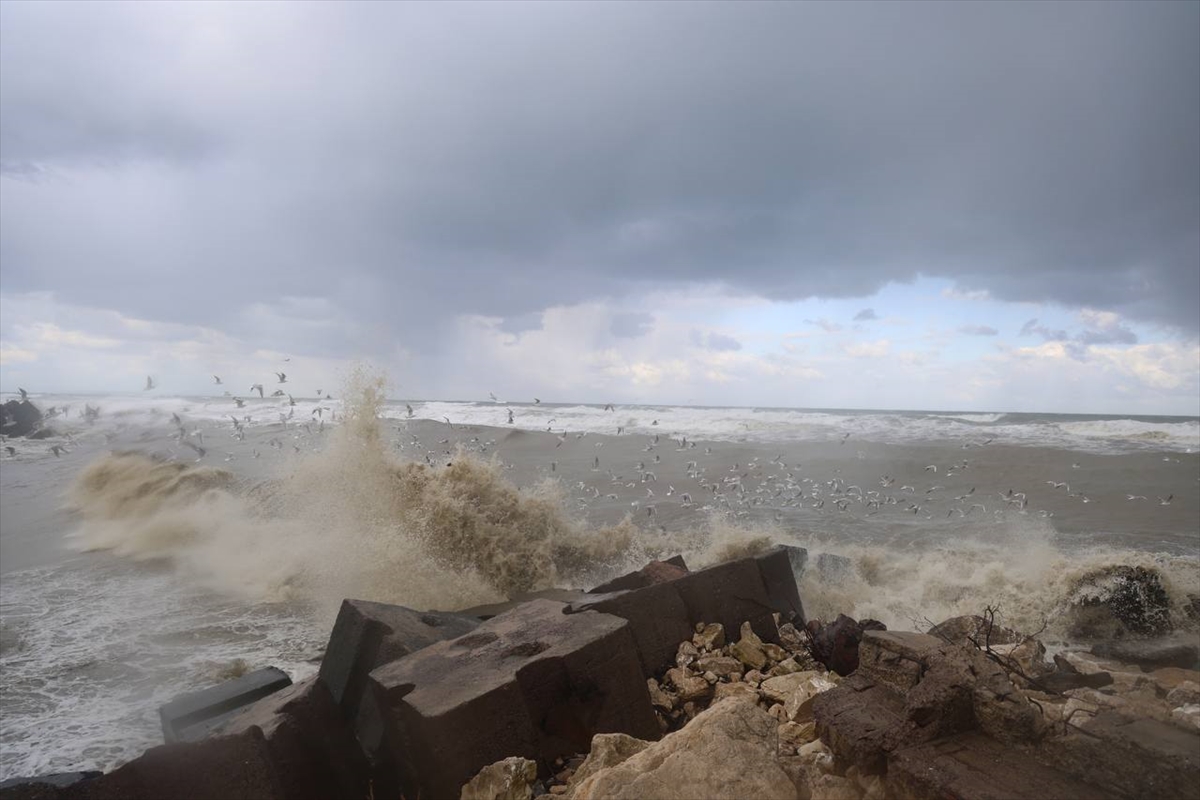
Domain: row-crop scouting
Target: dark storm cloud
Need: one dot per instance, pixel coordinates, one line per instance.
(865, 314)
(409, 162)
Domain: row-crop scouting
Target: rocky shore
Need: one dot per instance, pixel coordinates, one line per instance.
(671, 683)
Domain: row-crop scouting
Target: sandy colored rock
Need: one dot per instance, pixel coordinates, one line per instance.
(721, 665)
(798, 705)
(740, 690)
(1186, 693)
(686, 654)
(1187, 716)
(754, 677)
(608, 750)
(780, 688)
(791, 638)
(510, 779)
(709, 636)
(696, 762)
(785, 667)
(797, 734)
(825, 786)
(658, 697)
(689, 687)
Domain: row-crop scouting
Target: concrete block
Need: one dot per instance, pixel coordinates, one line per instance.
(657, 617)
(190, 717)
(779, 567)
(367, 635)
(730, 593)
(533, 682)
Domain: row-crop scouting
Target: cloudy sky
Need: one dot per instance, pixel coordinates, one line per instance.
(940, 206)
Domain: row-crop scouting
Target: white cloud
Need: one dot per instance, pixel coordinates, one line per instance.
(867, 349)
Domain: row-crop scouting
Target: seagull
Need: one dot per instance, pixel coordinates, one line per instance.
(536, 401)
(291, 402)
(24, 394)
(149, 384)
(282, 376)
(1135, 497)
(217, 380)
(510, 417)
(609, 407)
(57, 450)
(240, 402)
(12, 451)
(845, 436)
(494, 398)
(259, 387)
(409, 410)
(1165, 501)
(932, 467)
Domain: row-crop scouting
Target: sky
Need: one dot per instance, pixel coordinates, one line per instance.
(967, 206)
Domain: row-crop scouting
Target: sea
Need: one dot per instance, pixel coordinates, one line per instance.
(173, 542)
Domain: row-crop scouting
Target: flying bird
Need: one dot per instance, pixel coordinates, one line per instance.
(240, 402)
(536, 401)
(217, 380)
(149, 384)
(24, 394)
(12, 451)
(58, 450)
(282, 376)
(259, 387)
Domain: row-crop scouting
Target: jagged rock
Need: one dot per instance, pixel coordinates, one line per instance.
(721, 665)
(608, 750)
(798, 706)
(687, 685)
(749, 649)
(1066, 677)
(695, 762)
(797, 734)
(534, 682)
(709, 636)
(1152, 653)
(1187, 716)
(686, 654)
(754, 677)
(1133, 596)
(510, 779)
(780, 688)
(710, 677)
(836, 645)
(791, 638)
(785, 667)
(1186, 693)
(658, 697)
(19, 418)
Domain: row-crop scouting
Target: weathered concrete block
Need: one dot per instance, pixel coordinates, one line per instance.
(489, 610)
(973, 766)
(312, 747)
(652, 573)
(730, 593)
(367, 635)
(533, 682)
(657, 617)
(779, 567)
(190, 717)
(897, 659)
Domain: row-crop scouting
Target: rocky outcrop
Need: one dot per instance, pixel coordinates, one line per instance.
(1121, 599)
(510, 779)
(728, 751)
(836, 645)
(19, 418)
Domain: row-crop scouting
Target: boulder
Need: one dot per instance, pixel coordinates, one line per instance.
(1182, 652)
(367, 635)
(798, 706)
(510, 779)
(727, 751)
(780, 688)
(533, 682)
(1185, 694)
(836, 645)
(19, 418)
(1132, 597)
(739, 690)
(974, 629)
(652, 573)
(608, 750)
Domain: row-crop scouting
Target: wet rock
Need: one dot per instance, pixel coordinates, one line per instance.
(1066, 677)
(510, 779)
(696, 762)
(1152, 653)
(836, 645)
(652, 573)
(1133, 596)
(19, 418)
(833, 568)
(534, 682)
(192, 716)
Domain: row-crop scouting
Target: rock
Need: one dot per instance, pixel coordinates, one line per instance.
(974, 766)
(190, 717)
(658, 697)
(836, 645)
(785, 667)
(58, 780)
(748, 649)
(1187, 716)
(774, 653)
(739, 690)
(974, 629)
(777, 713)
(731, 593)
(825, 786)
(686, 654)
(652, 573)
(754, 677)
(1066, 677)
(19, 418)
(781, 567)
(1132, 596)
(1029, 656)
(608, 750)
(1152, 653)
(367, 635)
(1170, 677)
(710, 636)
(312, 747)
(657, 617)
(721, 665)
(510, 779)
(791, 638)
(797, 734)
(780, 688)
(1186, 693)
(696, 762)
(687, 685)
(534, 682)
(798, 706)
